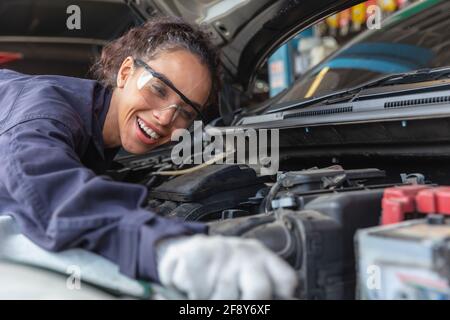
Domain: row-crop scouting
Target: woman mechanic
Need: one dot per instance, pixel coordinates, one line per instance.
(59, 134)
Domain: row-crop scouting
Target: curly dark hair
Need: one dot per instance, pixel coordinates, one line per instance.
(160, 33)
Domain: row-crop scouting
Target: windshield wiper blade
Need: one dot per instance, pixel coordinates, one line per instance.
(390, 79)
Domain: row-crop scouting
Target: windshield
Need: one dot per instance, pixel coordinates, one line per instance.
(418, 37)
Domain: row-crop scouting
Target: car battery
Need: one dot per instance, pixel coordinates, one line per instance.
(404, 258)
(408, 260)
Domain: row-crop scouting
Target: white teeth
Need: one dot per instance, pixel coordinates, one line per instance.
(147, 130)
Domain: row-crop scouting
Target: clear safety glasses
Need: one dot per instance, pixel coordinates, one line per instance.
(157, 90)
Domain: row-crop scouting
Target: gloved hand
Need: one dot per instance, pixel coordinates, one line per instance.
(218, 267)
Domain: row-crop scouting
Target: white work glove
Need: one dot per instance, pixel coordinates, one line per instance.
(218, 267)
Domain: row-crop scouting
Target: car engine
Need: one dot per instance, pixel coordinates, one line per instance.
(308, 217)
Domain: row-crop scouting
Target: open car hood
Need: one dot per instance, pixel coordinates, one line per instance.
(247, 31)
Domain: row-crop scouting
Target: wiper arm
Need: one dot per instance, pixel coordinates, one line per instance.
(420, 75)
(390, 79)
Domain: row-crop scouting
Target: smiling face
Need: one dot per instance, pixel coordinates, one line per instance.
(142, 110)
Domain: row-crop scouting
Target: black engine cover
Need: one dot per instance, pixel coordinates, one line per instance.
(317, 241)
(204, 194)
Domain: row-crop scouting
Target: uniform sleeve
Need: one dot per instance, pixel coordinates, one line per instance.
(60, 204)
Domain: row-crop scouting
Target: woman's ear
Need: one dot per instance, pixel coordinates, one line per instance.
(125, 71)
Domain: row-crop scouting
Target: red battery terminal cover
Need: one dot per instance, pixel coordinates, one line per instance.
(399, 201)
(435, 200)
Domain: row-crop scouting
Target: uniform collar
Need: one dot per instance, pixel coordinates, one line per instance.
(102, 102)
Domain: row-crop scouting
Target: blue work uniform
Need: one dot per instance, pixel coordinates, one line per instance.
(52, 158)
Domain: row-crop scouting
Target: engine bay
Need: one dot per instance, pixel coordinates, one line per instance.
(307, 216)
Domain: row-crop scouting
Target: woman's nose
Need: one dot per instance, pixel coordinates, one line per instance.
(165, 116)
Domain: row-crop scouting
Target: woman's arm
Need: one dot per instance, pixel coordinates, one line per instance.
(60, 204)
